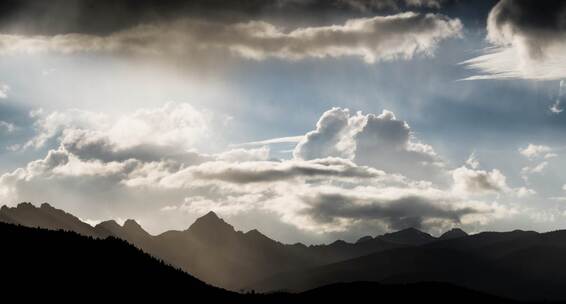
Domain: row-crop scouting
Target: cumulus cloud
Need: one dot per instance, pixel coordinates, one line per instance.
(381, 141)
(373, 39)
(529, 41)
(169, 131)
(471, 181)
(103, 177)
(534, 151)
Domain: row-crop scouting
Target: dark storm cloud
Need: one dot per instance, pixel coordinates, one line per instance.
(539, 22)
(104, 17)
(400, 213)
(529, 39)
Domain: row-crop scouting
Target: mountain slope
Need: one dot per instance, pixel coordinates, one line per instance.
(208, 245)
(65, 262)
(46, 265)
(518, 264)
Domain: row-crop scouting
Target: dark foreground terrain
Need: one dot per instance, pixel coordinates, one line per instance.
(46, 265)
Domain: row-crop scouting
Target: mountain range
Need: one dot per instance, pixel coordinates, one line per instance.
(523, 265)
(63, 266)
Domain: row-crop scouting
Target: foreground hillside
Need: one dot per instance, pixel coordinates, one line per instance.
(523, 265)
(57, 262)
(46, 265)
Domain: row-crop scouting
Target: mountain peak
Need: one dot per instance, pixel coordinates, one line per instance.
(46, 206)
(410, 236)
(255, 234)
(133, 227)
(453, 234)
(210, 223)
(211, 215)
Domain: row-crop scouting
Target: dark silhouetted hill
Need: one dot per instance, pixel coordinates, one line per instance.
(46, 265)
(58, 263)
(409, 236)
(453, 234)
(210, 249)
(518, 264)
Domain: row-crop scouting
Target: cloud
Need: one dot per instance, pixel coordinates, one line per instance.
(279, 140)
(535, 151)
(471, 181)
(373, 39)
(101, 177)
(535, 169)
(381, 141)
(529, 40)
(244, 155)
(7, 127)
(259, 172)
(371, 5)
(171, 130)
(4, 88)
(418, 211)
(473, 161)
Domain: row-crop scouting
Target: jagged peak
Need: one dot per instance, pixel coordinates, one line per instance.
(408, 236)
(254, 233)
(210, 221)
(211, 215)
(132, 225)
(25, 205)
(46, 206)
(108, 224)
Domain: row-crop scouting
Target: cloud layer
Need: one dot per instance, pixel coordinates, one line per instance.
(332, 185)
(372, 39)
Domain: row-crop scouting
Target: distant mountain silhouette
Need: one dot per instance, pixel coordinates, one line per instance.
(210, 248)
(46, 217)
(453, 234)
(46, 265)
(409, 236)
(518, 264)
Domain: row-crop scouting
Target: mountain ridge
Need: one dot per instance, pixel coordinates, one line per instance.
(215, 252)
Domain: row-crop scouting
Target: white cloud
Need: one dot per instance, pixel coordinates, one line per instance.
(279, 140)
(169, 129)
(473, 161)
(4, 88)
(536, 169)
(381, 141)
(470, 181)
(534, 151)
(373, 39)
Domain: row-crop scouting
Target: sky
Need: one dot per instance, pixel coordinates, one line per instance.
(309, 120)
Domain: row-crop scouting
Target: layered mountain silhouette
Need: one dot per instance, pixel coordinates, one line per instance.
(46, 265)
(522, 265)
